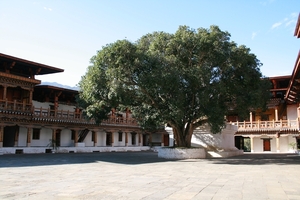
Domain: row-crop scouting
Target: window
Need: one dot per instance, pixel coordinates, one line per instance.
(120, 136)
(36, 134)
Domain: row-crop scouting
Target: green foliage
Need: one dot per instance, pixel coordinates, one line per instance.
(183, 79)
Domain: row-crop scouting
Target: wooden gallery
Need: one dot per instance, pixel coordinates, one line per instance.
(39, 118)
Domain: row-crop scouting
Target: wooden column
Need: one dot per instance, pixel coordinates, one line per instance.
(95, 138)
(126, 139)
(4, 92)
(29, 132)
(252, 144)
(30, 96)
(276, 114)
(1, 135)
(140, 140)
(53, 134)
(251, 119)
(162, 140)
(112, 139)
(277, 142)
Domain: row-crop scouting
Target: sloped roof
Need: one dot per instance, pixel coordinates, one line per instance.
(26, 67)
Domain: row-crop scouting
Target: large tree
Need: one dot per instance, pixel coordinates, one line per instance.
(184, 80)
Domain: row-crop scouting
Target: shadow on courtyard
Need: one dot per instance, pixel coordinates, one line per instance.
(136, 158)
(127, 158)
(259, 159)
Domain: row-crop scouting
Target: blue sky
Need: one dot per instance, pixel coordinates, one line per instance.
(67, 33)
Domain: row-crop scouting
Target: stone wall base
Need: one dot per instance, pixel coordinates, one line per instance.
(224, 154)
(181, 153)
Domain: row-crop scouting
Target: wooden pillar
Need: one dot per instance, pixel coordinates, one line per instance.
(4, 92)
(252, 144)
(95, 138)
(30, 96)
(140, 140)
(76, 137)
(112, 139)
(162, 140)
(126, 139)
(277, 142)
(1, 135)
(17, 137)
(29, 132)
(53, 134)
(276, 114)
(127, 114)
(251, 119)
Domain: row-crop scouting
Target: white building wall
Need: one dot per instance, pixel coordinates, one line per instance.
(66, 107)
(101, 139)
(65, 138)
(273, 145)
(202, 137)
(292, 112)
(22, 141)
(45, 137)
(257, 144)
(88, 140)
(284, 142)
(38, 105)
(120, 143)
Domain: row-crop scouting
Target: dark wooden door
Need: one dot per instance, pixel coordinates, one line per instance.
(267, 145)
(108, 139)
(166, 140)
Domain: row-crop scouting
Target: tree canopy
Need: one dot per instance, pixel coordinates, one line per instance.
(183, 79)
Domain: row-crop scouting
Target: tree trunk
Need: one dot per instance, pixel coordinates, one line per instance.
(183, 136)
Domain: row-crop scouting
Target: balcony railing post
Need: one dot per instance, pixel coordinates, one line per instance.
(244, 124)
(280, 123)
(15, 102)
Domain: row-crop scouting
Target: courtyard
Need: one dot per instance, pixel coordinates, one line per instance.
(142, 175)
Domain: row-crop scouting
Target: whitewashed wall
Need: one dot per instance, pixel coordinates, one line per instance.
(203, 137)
(37, 104)
(22, 141)
(292, 112)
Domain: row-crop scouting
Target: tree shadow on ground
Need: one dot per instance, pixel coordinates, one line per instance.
(127, 158)
(259, 159)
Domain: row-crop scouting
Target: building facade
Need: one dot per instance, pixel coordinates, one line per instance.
(37, 118)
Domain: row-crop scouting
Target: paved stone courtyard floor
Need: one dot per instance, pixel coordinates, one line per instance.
(142, 175)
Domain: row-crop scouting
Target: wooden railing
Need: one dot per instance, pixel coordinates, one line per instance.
(120, 120)
(258, 125)
(14, 106)
(57, 114)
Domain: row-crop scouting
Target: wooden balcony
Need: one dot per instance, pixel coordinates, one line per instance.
(20, 110)
(14, 107)
(267, 125)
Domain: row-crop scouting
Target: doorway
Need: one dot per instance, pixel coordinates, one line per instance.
(9, 136)
(57, 137)
(166, 139)
(267, 144)
(108, 139)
